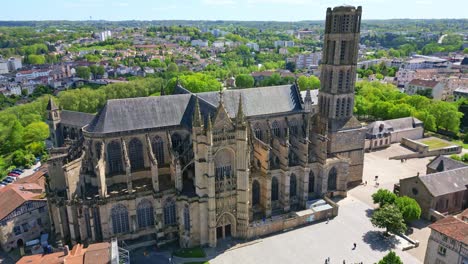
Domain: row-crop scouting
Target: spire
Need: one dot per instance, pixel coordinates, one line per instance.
(196, 114)
(51, 105)
(308, 97)
(240, 117)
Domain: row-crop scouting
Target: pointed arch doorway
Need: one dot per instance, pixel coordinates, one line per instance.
(225, 226)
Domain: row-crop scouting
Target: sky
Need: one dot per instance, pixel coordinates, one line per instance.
(246, 10)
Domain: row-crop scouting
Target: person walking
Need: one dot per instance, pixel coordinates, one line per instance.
(354, 246)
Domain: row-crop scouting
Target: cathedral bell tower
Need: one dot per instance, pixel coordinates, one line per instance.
(341, 132)
(339, 59)
(53, 120)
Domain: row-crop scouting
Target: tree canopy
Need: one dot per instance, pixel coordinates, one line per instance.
(391, 258)
(390, 218)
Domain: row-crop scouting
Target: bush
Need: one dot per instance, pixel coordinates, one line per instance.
(383, 197)
(409, 208)
(196, 252)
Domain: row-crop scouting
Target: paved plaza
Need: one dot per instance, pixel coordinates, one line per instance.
(314, 243)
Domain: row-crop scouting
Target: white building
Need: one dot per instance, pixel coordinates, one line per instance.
(3, 67)
(253, 46)
(404, 76)
(199, 43)
(284, 43)
(104, 35)
(448, 241)
(437, 88)
(425, 62)
(218, 44)
(31, 74)
(14, 64)
(461, 92)
(304, 61)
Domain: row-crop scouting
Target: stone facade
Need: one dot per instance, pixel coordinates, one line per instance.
(198, 168)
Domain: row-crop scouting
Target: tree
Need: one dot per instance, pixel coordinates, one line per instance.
(384, 197)
(244, 81)
(35, 132)
(409, 208)
(391, 258)
(83, 72)
(172, 67)
(291, 66)
(390, 218)
(36, 59)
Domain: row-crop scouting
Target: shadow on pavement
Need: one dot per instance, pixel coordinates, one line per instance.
(377, 241)
(369, 212)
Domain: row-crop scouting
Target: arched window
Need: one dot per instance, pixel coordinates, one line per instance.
(348, 107)
(255, 192)
(292, 185)
(176, 142)
(119, 216)
(98, 147)
(65, 132)
(187, 218)
(348, 81)
(338, 105)
(293, 127)
(340, 80)
(145, 214)
(158, 149)
(114, 157)
(258, 132)
(135, 150)
(73, 133)
(274, 189)
(293, 158)
(332, 179)
(275, 128)
(169, 212)
(274, 162)
(311, 181)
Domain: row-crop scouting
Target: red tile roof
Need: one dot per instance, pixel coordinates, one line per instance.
(452, 227)
(14, 195)
(425, 83)
(98, 253)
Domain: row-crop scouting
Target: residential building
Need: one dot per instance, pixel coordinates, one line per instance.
(404, 76)
(199, 43)
(425, 62)
(24, 213)
(304, 61)
(283, 43)
(460, 93)
(3, 66)
(381, 134)
(103, 35)
(217, 44)
(443, 163)
(438, 193)
(98, 253)
(199, 168)
(253, 46)
(435, 88)
(14, 64)
(32, 74)
(448, 242)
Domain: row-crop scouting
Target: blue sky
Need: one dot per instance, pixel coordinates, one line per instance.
(278, 10)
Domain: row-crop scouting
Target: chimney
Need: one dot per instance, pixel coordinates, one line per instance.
(66, 250)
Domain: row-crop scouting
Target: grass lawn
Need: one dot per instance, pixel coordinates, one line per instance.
(435, 143)
(196, 252)
(460, 143)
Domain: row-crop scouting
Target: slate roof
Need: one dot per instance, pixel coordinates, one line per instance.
(257, 101)
(446, 182)
(453, 228)
(404, 123)
(142, 113)
(73, 118)
(442, 163)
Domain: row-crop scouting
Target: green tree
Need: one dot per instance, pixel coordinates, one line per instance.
(244, 81)
(409, 208)
(172, 67)
(390, 218)
(291, 66)
(36, 59)
(83, 72)
(384, 197)
(391, 258)
(35, 132)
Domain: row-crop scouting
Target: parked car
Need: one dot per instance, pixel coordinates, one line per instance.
(13, 179)
(4, 182)
(8, 180)
(18, 171)
(13, 174)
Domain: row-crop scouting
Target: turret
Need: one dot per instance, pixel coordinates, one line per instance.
(53, 120)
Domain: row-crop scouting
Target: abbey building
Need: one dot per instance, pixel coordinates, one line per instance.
(202, 167)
